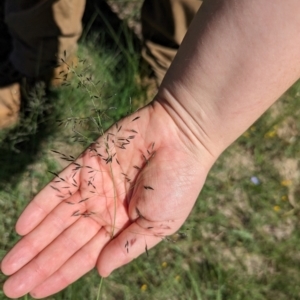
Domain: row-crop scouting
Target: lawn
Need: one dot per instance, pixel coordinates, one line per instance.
(241, 240)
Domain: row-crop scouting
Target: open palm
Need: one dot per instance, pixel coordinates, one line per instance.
(135, 185)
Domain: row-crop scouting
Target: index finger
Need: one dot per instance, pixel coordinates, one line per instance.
(63, 186)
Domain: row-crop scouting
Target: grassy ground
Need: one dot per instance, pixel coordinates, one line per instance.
(240, 242)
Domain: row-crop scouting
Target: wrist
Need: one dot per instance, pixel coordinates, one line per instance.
(186, 127)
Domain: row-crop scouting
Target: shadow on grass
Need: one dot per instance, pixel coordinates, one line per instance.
(112, 32)
(20, 146)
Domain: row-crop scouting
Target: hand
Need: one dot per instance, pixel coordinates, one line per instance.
(119, 198)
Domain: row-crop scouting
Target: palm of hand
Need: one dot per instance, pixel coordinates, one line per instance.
(134, 186)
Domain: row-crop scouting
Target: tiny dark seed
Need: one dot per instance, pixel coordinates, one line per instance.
(83, 200)
(55, 188)
(70, 203)
(147, 187)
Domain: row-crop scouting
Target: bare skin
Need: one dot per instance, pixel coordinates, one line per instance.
(238, 57)
(151, 183)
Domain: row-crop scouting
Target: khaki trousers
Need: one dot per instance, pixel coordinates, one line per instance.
(43, 30)
(164, 24)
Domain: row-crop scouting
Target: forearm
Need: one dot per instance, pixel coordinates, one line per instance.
(237, 58)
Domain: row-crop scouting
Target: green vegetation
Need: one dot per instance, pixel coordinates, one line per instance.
(240, 242)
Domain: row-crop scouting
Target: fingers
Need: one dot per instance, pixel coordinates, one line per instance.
(131, 243)
(60, 188)
(51, 258)
(33, 243)
(79, 264)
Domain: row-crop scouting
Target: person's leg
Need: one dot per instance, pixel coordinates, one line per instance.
(42, 31)
(164, 24)
(9, 96)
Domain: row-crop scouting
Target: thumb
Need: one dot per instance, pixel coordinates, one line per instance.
(127, 246)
